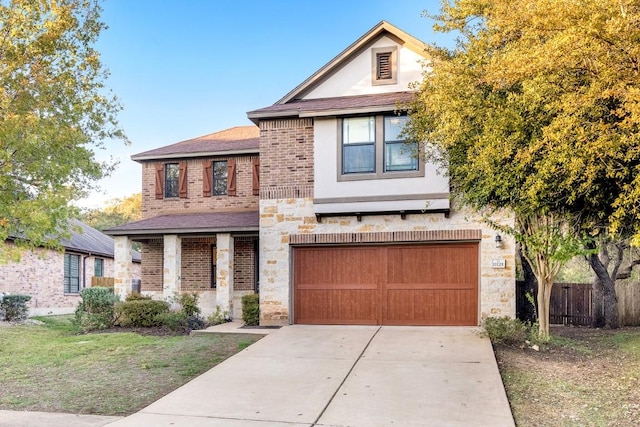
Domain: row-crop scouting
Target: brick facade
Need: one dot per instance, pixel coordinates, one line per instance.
(195, 201)
(152, 261)
(286, 158)
(40, 273)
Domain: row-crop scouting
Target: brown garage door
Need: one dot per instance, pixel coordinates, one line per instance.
(435, 284)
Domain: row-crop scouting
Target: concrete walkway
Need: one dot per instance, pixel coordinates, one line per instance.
(344, 376)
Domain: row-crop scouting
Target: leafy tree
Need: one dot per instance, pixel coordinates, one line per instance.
(537, 110)
(54, 111)
(117, 212)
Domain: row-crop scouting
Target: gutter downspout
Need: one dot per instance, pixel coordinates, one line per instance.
(84, 270)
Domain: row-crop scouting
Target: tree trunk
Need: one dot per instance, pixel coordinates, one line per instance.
(597, 307)
(609, 301)
(544, 300)
(530, 312)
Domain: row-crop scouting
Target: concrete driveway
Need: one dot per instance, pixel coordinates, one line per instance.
(344, 376)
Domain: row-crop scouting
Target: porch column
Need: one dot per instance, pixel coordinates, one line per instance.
(122, 274)
(224, 279)
(172, 265)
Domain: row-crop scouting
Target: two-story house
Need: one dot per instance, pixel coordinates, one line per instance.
(199, 227)
(353, 227)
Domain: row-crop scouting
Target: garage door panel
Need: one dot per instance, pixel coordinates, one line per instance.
(327, 307)
(336, 267)
(430, 307)
(432, 264)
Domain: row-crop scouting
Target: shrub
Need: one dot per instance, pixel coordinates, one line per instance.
(218, 317)
(141, 312)
(189, 303)
(14, 307)
(97, 308)
(505, 330)
(251, 309)
(174, 320)
(133, 296)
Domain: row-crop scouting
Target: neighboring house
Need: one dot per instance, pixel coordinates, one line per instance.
(351, 227)
(54, 279)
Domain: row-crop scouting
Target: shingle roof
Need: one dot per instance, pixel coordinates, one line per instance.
(336, 105)
(238, 139)
(209, 222)
(88, 240)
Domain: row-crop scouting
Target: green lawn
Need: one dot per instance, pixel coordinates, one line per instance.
(52, 368)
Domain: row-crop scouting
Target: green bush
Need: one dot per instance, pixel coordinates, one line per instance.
(14, 307)
(96, 310)
(505, 330)
(251, 309)
(175, 321)
(189, 303)
(141, 312)
(218, 317)
(133, 296)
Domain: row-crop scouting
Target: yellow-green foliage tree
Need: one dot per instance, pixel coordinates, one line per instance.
(54, 112)
(117, 212)
(537, 110)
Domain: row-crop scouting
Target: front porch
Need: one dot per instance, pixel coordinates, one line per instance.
(215, 255)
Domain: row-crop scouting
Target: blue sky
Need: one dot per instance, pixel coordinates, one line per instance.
(182, 69)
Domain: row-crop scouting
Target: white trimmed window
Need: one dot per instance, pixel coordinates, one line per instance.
(71, 273)
(372, 148)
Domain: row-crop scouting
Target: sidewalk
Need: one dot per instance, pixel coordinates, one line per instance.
(52, 419)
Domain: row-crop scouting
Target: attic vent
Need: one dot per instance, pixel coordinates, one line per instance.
(384, 66)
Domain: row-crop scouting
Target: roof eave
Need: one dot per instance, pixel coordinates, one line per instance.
(160, 232)
(142, 157)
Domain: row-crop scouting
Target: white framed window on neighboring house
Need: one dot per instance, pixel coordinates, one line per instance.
(71, 273)
(98, 267)
(371, 147)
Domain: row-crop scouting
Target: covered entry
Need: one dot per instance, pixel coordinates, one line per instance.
(411, 284)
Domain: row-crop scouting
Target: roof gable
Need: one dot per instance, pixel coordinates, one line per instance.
(383, 29)
(235, 140)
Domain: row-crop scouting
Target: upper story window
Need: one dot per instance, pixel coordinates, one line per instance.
(358, 145)
(220, 171)
(398, 155)
(384, 65)
(219, 178)
(171, 179)
(371, 148)
(98, 267)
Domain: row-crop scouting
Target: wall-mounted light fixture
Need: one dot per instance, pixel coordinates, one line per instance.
(498, 241)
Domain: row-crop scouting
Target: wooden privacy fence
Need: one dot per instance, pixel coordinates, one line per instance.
(104, 282)
(571, 303)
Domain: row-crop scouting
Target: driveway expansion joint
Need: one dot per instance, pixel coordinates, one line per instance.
(315, 423)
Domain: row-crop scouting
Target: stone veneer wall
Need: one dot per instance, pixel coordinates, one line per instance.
(195, 201)
(40, 273)
(280, 219)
